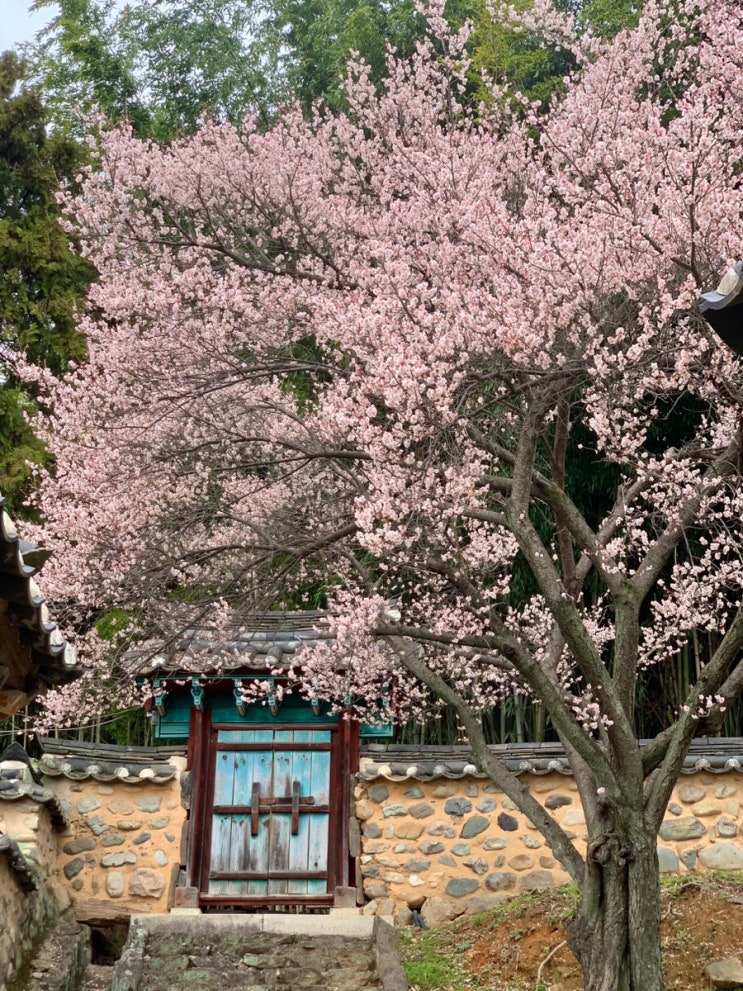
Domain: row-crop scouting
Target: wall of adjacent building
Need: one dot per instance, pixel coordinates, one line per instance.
(121, 851)
(447, 847)
(30, 898)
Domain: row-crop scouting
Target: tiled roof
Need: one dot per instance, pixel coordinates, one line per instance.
(25, 873)
(399, 762)
(105, 762)
(43, 657)
(18, 780)
(262, 640)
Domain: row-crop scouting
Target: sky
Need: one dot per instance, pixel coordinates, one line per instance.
(18, 25)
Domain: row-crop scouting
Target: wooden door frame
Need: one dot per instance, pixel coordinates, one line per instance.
(203, 753)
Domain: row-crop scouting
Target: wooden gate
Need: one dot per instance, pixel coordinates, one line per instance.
(268, 831)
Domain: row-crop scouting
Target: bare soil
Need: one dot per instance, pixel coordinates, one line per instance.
(511, 949)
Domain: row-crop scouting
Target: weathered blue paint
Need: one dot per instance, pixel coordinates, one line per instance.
(274, 852)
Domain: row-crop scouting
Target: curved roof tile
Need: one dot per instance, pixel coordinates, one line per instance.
(82, 768)
(272, 640)
(42, 657)
(10, 851)
(398, 762)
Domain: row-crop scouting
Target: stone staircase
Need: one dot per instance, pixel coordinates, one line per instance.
(257, 952)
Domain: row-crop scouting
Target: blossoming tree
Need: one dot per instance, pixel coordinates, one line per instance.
(370, 349)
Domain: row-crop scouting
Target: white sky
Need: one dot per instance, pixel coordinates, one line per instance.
(18, 25)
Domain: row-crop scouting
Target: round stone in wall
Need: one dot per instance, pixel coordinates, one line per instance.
(442, 829)
(79, 845)
(408, 830)
(119, 859)
(494, 843)
(129, 825)
(691, 793)
(726, 827)
(112, 839)
(473, 827)
(378, 793)
(725, 791)
(73, 868)
(531, 842)
(685, 828)
(668, 862)
(557, 801)
(476, 864)
(521, 862)
(458, 887)
(437, 910)
(723, 857)
(500, 881)
(417, 864)
(375, 889)
(458, 806)
(146, 883)
(689, 859)
(444, 790)
(487, 805)
(537, 881)
(114, 884)
(507, 823)
(707, 807)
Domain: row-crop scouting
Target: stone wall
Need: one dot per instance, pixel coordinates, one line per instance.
(121, 852)
(30, 900)
(454, 846)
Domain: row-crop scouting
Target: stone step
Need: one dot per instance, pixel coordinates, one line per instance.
(251, 953)
(96, 978)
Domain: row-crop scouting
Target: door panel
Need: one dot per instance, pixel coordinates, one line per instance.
(268, 830)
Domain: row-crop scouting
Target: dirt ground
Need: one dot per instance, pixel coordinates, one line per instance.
(702, 922)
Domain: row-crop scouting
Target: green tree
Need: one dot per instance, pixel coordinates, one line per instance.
(43, 277)
(161, 64)
(522, 59)
(164, 63)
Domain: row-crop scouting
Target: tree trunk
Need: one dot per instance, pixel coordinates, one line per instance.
(616, 932)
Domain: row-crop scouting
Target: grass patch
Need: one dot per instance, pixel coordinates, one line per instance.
(429, 965)
(519, 944)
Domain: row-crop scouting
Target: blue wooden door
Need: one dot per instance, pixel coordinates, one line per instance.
(270, 814)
